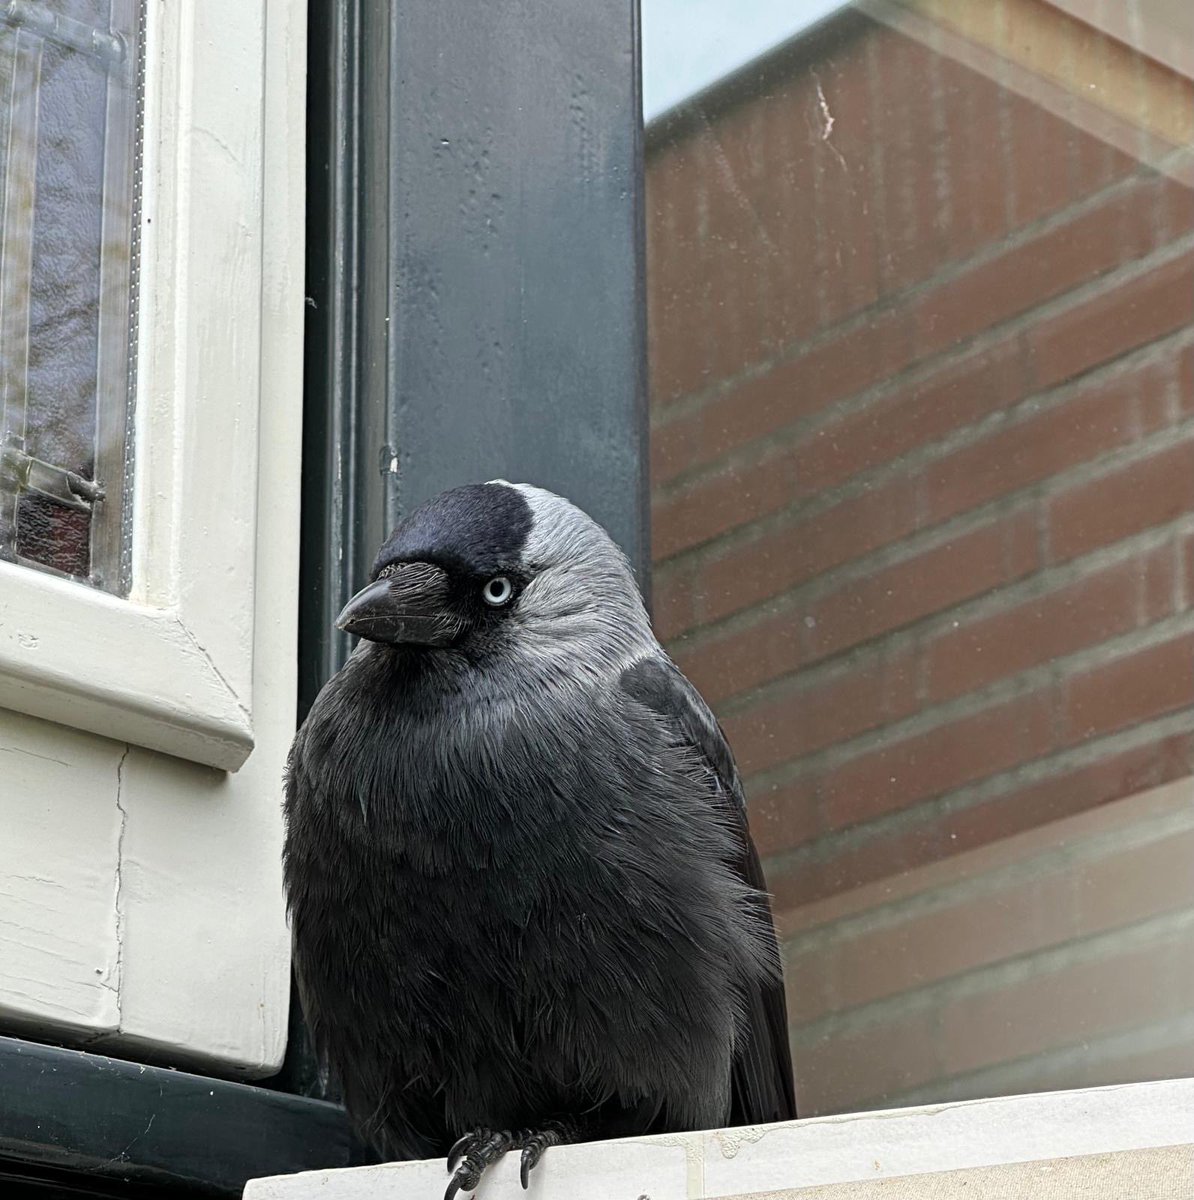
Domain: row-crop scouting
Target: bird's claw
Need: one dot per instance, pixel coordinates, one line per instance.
(470, 1155)
(533, 1144)
(457, 1150)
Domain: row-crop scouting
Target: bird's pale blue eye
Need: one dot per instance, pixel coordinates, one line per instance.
(497, 591)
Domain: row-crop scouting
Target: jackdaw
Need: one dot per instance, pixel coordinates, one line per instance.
(526, 908)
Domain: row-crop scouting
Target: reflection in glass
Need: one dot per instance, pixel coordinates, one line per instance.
(68, 138)
(921, 312)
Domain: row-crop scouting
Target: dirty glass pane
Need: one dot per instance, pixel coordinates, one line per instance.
(921, 313)
(68, 146)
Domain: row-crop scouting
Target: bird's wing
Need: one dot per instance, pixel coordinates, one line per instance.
(762, 1085)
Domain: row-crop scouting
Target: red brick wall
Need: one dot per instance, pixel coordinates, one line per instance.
(923, 457)
(922, 378)
(1061, 957)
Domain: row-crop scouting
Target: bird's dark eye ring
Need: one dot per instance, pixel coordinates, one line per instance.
(497, 591)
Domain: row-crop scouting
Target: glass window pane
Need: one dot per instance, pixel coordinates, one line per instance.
(68, 143)
(921, 314)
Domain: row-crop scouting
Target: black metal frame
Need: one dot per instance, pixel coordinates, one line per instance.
(475, 309)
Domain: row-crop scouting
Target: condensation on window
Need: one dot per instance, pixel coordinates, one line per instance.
(921, 322)
(69, 143)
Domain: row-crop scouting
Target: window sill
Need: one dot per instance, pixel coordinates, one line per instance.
(120, 669)
(973, 1149)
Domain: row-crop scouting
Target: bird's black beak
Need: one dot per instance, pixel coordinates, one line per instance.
(410, 605)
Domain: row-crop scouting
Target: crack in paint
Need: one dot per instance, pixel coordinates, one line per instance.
(33, 754)
(219, 674)
(118, 973)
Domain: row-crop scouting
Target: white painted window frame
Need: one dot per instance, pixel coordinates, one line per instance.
(171, 668)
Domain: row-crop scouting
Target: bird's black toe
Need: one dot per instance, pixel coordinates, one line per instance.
(471, 1154)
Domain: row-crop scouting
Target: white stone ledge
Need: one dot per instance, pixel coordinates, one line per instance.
(963, 1150)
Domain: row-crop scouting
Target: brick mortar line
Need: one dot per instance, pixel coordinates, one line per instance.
(1031, 867)
(671, 411)
(993, 977)
(1161, 350)
(999, 600)
(925, 368)
(925, 540)
(793, 599)
(857, 570)
(922, 370)
(935, 809)
(993, 1080)
(1036, 681)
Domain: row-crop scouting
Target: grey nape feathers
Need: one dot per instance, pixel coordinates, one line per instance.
(525, 904)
